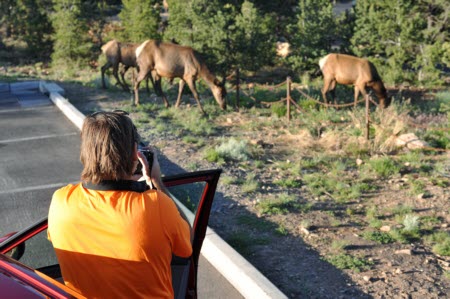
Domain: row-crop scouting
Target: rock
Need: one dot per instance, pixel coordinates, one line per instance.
(359, 162)
(410, 141)
(304, 230)
(367, 278)
(404, 251)
(385, 228)
(398, 271)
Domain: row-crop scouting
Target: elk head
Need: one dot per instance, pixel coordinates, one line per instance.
(219, 93)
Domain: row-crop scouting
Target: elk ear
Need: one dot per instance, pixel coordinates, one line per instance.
(217, 82)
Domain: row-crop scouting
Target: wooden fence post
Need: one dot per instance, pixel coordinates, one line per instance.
(367, 118)
(237, 89)
(288, 97)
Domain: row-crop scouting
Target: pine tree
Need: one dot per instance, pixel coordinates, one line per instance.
(406, 37)
(140, 20)
(35, 27)
(72, 45)
(254, 39)
(228, 35)
(312, 35)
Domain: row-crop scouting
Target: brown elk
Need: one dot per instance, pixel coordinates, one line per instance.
(351, 70)
(119, 53)
(170, 61)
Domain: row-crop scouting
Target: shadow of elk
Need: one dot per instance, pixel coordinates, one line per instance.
(119, 53)
(168, 60)
(351, 70)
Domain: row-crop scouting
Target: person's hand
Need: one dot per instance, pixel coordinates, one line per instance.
(151, 176)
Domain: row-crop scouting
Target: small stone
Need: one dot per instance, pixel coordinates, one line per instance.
(404, 251)
(421, 196)
(367, 278)
(359, 162)
(398, 271)
(444, 225)
(304, 230)
(385, 228)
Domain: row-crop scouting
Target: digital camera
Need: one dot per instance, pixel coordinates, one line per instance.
(149, 156)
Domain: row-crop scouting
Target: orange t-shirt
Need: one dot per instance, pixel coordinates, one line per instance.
(117, 244)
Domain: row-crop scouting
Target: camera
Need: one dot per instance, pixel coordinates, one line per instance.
(149, 156)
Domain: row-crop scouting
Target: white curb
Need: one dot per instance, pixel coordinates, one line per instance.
(242, 275)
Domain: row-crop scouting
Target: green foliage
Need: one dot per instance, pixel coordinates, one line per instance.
(339, 245)
(281, 204)
(72, 46)
(250, 184)
(379, 237)
(346, 261)
(438, 139)
(140, 20)
(383, 167)
(288, 183)
(399, 32)
(233, 149)
(314, 34)
(228, 36)
(34, 26)
(279, 109)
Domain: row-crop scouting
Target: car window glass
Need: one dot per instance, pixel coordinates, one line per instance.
(38, 252)
(189, 195)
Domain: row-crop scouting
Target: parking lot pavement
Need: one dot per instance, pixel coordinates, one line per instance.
(39, 150)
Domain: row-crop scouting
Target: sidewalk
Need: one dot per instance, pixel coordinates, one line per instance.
(247, 280)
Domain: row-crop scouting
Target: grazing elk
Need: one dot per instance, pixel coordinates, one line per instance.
(351, 70)
(120, 53)
(170, 61)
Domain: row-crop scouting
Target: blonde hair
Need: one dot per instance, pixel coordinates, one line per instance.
(107, 146)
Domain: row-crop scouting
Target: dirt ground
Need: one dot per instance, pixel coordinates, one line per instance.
(294, 261)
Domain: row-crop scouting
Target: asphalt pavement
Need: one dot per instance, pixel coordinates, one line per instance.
(39, 152)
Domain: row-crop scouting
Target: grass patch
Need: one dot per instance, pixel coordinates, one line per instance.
(383, 167)
(345, 261)
(379, 237)
(281, 204)
(440, 242)
(250, 184)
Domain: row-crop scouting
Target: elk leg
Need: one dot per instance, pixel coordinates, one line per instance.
(180, 92)
(116, 75)
(122, 74)
(159, 91)
(141, 76)
(326, 86)
(193, 88)
(332, 90)
(104, 68)
(359, 88)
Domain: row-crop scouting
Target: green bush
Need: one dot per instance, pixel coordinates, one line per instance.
(379, 237)
(346, 261)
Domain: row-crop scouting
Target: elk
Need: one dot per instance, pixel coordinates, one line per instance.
(171, 61)
(119, 53)
(351, 70)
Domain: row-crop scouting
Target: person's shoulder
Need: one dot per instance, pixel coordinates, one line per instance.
(65, 190)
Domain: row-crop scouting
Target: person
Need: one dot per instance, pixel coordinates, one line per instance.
(114, 236)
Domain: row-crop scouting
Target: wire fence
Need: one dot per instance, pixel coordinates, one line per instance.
(368, 100)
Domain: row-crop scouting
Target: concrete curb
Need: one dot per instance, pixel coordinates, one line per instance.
(249, 282)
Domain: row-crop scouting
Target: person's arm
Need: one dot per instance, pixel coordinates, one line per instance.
(154, 179)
